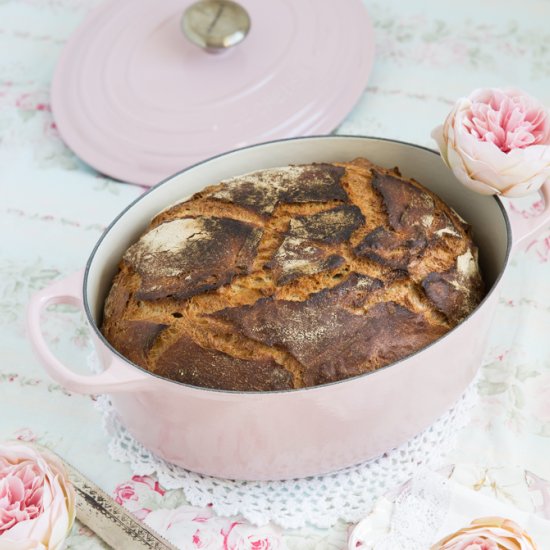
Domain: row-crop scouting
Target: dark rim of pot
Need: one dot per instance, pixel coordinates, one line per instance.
(294, 390)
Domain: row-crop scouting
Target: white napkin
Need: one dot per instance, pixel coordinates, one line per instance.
(431, 507)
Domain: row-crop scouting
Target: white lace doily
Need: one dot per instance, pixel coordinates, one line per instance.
(411, 521)
(320, 501)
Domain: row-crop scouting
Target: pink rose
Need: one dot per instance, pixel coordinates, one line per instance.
(33, 101)
(240, 536)
(206, 538)
(541, 247)
(124, 492)
(36, 499)
(488, 534)
(140, 495)
(190, 527)
(497, 142)
(149, 482)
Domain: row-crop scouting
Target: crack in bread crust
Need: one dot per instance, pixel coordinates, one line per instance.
(334, 271)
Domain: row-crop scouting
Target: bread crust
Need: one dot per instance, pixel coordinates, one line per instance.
(293, 277)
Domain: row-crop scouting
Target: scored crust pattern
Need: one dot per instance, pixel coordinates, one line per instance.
(293, 277)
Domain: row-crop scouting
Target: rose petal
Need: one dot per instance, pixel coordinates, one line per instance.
(438, 135)
(37, 482)
(462, 173)
(497, 141)
(502, 532)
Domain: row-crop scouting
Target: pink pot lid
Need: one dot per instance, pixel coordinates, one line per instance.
(135, 99)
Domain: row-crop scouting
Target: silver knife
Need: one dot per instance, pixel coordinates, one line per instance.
(109, 520)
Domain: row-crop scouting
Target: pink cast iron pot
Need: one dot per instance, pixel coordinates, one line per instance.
(295, 433)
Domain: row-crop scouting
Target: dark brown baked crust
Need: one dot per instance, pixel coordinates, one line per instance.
(293, 277)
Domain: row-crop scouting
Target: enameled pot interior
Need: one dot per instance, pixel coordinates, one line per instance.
(484, 213)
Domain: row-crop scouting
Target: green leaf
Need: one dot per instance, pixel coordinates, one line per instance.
(491, 388)
(498, 371)
(173, 499)
(523, 372)
(26, 115)
(518, 397)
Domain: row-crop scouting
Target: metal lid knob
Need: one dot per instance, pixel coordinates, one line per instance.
(215, 25)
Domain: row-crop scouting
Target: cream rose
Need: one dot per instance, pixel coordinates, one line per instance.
(37, 508)
(497, 142)
(488, 534)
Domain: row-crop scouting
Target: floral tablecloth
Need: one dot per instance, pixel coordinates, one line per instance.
(54, 207)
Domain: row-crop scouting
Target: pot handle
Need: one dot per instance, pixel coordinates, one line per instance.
(523, 228)
(118, 376)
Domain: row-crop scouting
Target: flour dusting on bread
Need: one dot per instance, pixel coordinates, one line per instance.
(293, 277)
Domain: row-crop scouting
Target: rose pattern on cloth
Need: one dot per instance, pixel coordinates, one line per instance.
(191, 527)
(25, 434)
(541, 248)
(140, 495)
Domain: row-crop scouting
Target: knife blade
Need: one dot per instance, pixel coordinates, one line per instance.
(108, 519)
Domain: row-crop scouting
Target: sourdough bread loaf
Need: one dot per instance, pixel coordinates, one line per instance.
(293, 277)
